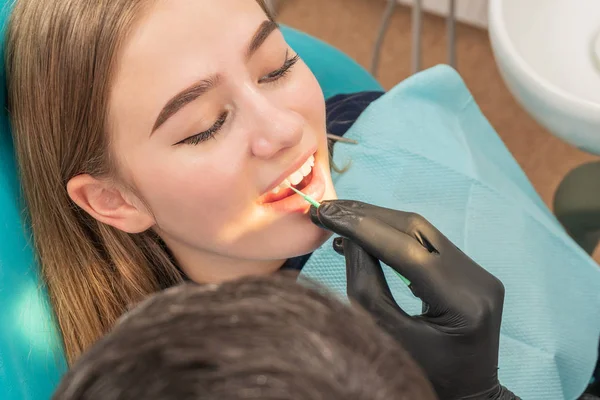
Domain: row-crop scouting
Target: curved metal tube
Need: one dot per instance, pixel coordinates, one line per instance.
(417, 22)
(387, 15)
(451, 26)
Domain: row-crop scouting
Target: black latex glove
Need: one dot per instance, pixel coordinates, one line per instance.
(456, 338)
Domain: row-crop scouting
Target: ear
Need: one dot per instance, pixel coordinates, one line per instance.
(109, 204)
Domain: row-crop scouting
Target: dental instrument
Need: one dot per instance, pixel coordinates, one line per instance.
(342, 139)
(317, 204)
(305, 197)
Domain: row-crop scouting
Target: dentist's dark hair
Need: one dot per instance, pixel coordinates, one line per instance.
(255, 338)
(60, 59)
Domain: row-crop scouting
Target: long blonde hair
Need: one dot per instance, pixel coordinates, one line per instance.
(60, 59)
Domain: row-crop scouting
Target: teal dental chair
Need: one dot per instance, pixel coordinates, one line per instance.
(31, 357)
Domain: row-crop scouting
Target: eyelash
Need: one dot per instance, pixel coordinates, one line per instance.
(213, 130)
(207, 134)
(281, 72)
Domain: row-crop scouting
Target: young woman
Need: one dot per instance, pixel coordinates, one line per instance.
(156, 140)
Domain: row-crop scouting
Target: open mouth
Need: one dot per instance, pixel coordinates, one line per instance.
(299, 179)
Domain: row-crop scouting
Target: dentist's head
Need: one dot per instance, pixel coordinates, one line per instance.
(154, 136)
(254, 338)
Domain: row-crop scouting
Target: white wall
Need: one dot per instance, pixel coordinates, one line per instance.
(469, 11)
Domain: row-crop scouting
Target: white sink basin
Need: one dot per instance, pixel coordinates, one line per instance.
(548, 53)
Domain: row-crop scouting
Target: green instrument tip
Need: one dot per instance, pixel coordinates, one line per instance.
(306, 197)
(406, 281)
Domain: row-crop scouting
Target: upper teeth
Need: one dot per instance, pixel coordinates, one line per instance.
(297, 176)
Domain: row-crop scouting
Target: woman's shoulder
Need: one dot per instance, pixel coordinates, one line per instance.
(344, 109)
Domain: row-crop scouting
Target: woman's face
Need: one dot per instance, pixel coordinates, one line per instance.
(210, 111)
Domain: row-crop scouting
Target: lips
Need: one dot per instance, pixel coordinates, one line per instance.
(294, 173)
(283, 191)
(312, 182)
(296, 177)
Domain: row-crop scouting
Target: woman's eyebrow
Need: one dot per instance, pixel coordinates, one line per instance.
(190, 94)
(184, 98)
(262, 33)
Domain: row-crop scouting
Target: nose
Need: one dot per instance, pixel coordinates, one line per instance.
(274, 126)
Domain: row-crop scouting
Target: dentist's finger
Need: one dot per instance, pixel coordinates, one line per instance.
(398, 250)
(368, 287)
(410, 223)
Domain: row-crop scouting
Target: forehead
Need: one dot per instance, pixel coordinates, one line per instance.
(180, 19)
(174, 31)
(176, 43)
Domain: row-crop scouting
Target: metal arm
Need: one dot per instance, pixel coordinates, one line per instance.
(417, 22)
(387, 15)
(451, 26)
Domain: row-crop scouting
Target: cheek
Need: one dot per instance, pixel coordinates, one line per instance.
(307, 98)
(179, 192)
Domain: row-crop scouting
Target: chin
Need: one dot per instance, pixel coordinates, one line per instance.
(321, 237)
(313, 237)
(296, 234)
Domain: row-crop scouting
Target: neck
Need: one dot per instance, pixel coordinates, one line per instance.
(215, 268)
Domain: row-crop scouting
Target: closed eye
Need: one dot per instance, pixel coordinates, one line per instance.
(270, 77)
(207, 134)
(280, 72)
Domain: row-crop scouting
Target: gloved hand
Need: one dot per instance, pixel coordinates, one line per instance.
(456, 338)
